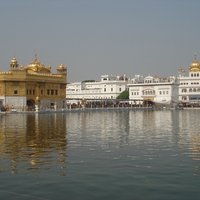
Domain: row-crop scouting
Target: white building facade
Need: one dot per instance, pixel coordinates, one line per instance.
(108, 88)
(189, 89)
(154, 91)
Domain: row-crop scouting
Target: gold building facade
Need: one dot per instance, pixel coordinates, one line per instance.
(26, 88)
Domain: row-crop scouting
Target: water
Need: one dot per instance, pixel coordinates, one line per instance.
(100, 155)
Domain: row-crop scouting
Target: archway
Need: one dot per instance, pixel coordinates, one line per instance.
(30, 104)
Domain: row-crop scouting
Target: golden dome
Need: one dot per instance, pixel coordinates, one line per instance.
(195, 65)
(62, 68)
(14, 63)
(37, 66)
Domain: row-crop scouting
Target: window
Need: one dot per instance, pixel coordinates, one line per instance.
(48, 92)
(15, 92)
(160, 92)
(111, 89)
(52, 92)
(120, 89)
(41, 92)
(104, 89)
(56, 92)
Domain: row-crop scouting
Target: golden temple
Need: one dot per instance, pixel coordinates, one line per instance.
(26, 88)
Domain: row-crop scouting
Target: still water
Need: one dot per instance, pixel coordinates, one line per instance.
(100, 155)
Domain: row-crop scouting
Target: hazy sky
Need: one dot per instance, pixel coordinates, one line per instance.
(97, 37)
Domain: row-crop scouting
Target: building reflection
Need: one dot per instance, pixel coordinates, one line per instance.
(190, 133)
(38, 142)
(33, 141)
(99, 127)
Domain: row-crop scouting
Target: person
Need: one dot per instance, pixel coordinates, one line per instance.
(7, 108)
(3, 108)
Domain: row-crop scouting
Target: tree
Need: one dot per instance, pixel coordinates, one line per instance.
(89, 81)
(123, 95)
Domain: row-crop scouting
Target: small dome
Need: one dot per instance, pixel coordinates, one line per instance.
(122, 78)
(61, 68)
(194, 66)
(14, 63)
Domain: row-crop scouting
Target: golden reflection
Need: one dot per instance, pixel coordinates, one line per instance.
(35, 140)
(195, 143)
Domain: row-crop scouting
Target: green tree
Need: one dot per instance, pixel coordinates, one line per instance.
(89, 81)
(124, 95)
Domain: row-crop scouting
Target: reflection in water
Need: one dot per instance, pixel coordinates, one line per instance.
(190, 133)
(32, 141)
(40, 141)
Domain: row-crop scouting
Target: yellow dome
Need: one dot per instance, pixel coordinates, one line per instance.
(14, 61)
(61, 68)
(37, 66)
(194, 66)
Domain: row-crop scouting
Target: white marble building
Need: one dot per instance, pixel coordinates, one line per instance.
(164, 91)
(109, 87)
(189, 88)
(154, 91)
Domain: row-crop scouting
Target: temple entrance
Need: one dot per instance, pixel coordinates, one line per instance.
(2, 107)
(30, 105)
(148, 103)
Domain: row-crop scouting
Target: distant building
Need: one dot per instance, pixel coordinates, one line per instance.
(189, 89)
(33, 85)
(107, 89)
(154, 91)
(142, 91)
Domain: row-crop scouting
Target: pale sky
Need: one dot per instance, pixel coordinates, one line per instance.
(98, 37)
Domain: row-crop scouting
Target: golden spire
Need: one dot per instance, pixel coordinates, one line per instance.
(35, 57)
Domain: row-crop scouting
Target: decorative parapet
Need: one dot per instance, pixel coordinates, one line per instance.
(43, 74)
(5, 73)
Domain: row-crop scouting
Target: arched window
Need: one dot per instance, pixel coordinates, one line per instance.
(184, 98)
